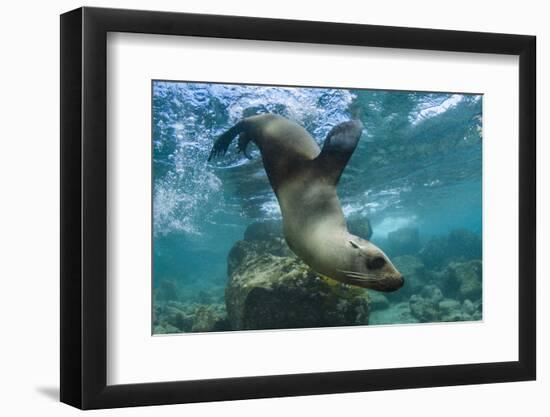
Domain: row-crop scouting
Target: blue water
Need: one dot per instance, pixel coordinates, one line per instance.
(418, 164)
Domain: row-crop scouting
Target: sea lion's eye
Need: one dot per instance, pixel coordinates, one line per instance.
(376, 263)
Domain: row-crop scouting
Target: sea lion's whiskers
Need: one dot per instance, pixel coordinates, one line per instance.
(356, 281)
(364, 279)
(365, 274)
(356, 274)
(369, 276)
(361, 276)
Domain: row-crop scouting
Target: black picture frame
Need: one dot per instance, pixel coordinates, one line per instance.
(84, 207)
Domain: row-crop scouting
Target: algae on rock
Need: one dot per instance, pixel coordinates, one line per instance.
(270, 288)
(465, 279)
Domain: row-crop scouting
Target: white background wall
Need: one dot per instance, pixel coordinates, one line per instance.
(29, 177)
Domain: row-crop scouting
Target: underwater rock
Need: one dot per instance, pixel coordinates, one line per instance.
(474, 309)
(458, 245)
(395, 313)
(182, 321)
(464, 279)
(155, 315)
(243, 249)
(451, 310)
(435, 252)
(209, 319)
(264, 230)
(431, 306)
(204, 297)
(165, 329)
(378, 301)
(426, 305)
(468, 307)
(424, 309)
(360, 226)
(167, 290)
(432, 292)
(173, 315)
(269, 290)
(178, 317)
(464, 244)
(415, 274)
(404, 241)
(236, 255)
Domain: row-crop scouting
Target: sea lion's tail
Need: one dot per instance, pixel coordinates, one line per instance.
(223, 142)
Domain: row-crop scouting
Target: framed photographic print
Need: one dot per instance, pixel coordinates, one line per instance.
(257, 207)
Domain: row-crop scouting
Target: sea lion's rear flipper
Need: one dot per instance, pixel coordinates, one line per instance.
(242, 144)
(337, 150)
(223, 142)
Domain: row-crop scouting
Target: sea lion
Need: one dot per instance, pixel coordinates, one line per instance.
(304, 179)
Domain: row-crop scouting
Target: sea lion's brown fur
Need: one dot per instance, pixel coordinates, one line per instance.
(304, 179)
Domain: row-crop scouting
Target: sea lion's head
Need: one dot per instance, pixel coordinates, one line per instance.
(365, 265)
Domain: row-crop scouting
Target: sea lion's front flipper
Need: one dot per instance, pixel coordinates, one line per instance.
(337, 150)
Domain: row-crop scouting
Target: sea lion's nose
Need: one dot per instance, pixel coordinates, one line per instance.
(402, 281)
